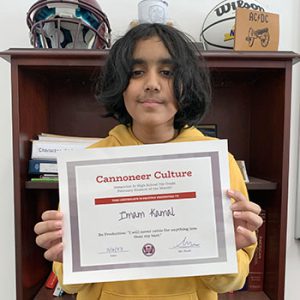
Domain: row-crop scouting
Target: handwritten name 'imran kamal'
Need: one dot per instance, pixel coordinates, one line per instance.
(153, 213)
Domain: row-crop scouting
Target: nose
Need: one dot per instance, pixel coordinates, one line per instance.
(152, 82)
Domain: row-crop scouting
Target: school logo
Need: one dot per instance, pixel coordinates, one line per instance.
(148, 249)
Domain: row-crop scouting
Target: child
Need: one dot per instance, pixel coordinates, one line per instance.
(156, 88)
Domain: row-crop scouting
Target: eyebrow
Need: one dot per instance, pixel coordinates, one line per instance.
(162, 61)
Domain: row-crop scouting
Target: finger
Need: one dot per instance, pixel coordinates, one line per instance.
(52, 215)
(46, 240)
(236, 195)
(252, 221)
(241, 202)
(246, 206)
(54, 253)
(249, 235)
(47, 226)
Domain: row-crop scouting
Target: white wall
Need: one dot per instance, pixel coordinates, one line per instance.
(292, 288)
(187, 17)
(13, 34)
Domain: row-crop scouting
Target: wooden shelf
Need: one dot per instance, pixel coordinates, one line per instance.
(41, 185)
(51, 92)
(243, 295)
(254, 184)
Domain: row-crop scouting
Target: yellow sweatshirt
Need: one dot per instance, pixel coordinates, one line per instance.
(183, 288)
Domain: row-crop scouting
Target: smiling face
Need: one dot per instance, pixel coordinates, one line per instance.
(149, 97)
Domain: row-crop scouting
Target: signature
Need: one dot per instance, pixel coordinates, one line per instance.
(114, 250)
(186, 244)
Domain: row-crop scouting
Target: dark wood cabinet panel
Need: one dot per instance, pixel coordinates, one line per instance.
(52, 92)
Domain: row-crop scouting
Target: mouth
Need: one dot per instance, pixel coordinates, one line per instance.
(150, 101)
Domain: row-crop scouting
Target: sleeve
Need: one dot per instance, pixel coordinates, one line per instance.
(71, 288)
(231, 282)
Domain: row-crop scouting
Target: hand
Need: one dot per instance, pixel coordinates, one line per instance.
(49, 234)
(246, 219)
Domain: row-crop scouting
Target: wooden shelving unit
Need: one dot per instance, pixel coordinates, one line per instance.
(51, 92)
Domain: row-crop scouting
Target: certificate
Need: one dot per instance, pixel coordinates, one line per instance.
(149, 211)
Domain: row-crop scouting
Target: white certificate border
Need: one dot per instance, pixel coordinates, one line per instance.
(73, 207)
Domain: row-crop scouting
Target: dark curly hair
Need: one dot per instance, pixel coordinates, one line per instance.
(191, 78)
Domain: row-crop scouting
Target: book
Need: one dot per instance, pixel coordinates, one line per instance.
(256, 271)
(66, 138)
(44, 179)
(37, 167)
(46, 175)
(242, 166)
(208, 129)
(47, 150)
(51, 281)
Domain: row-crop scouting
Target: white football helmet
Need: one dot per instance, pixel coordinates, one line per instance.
(73, 24)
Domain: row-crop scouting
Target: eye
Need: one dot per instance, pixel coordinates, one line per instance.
(167, 73)
(136, 73)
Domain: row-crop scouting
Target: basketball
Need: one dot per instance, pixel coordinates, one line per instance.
(218, 27)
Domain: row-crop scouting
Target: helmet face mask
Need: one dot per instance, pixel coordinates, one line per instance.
(64, 33)
(68, 24)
